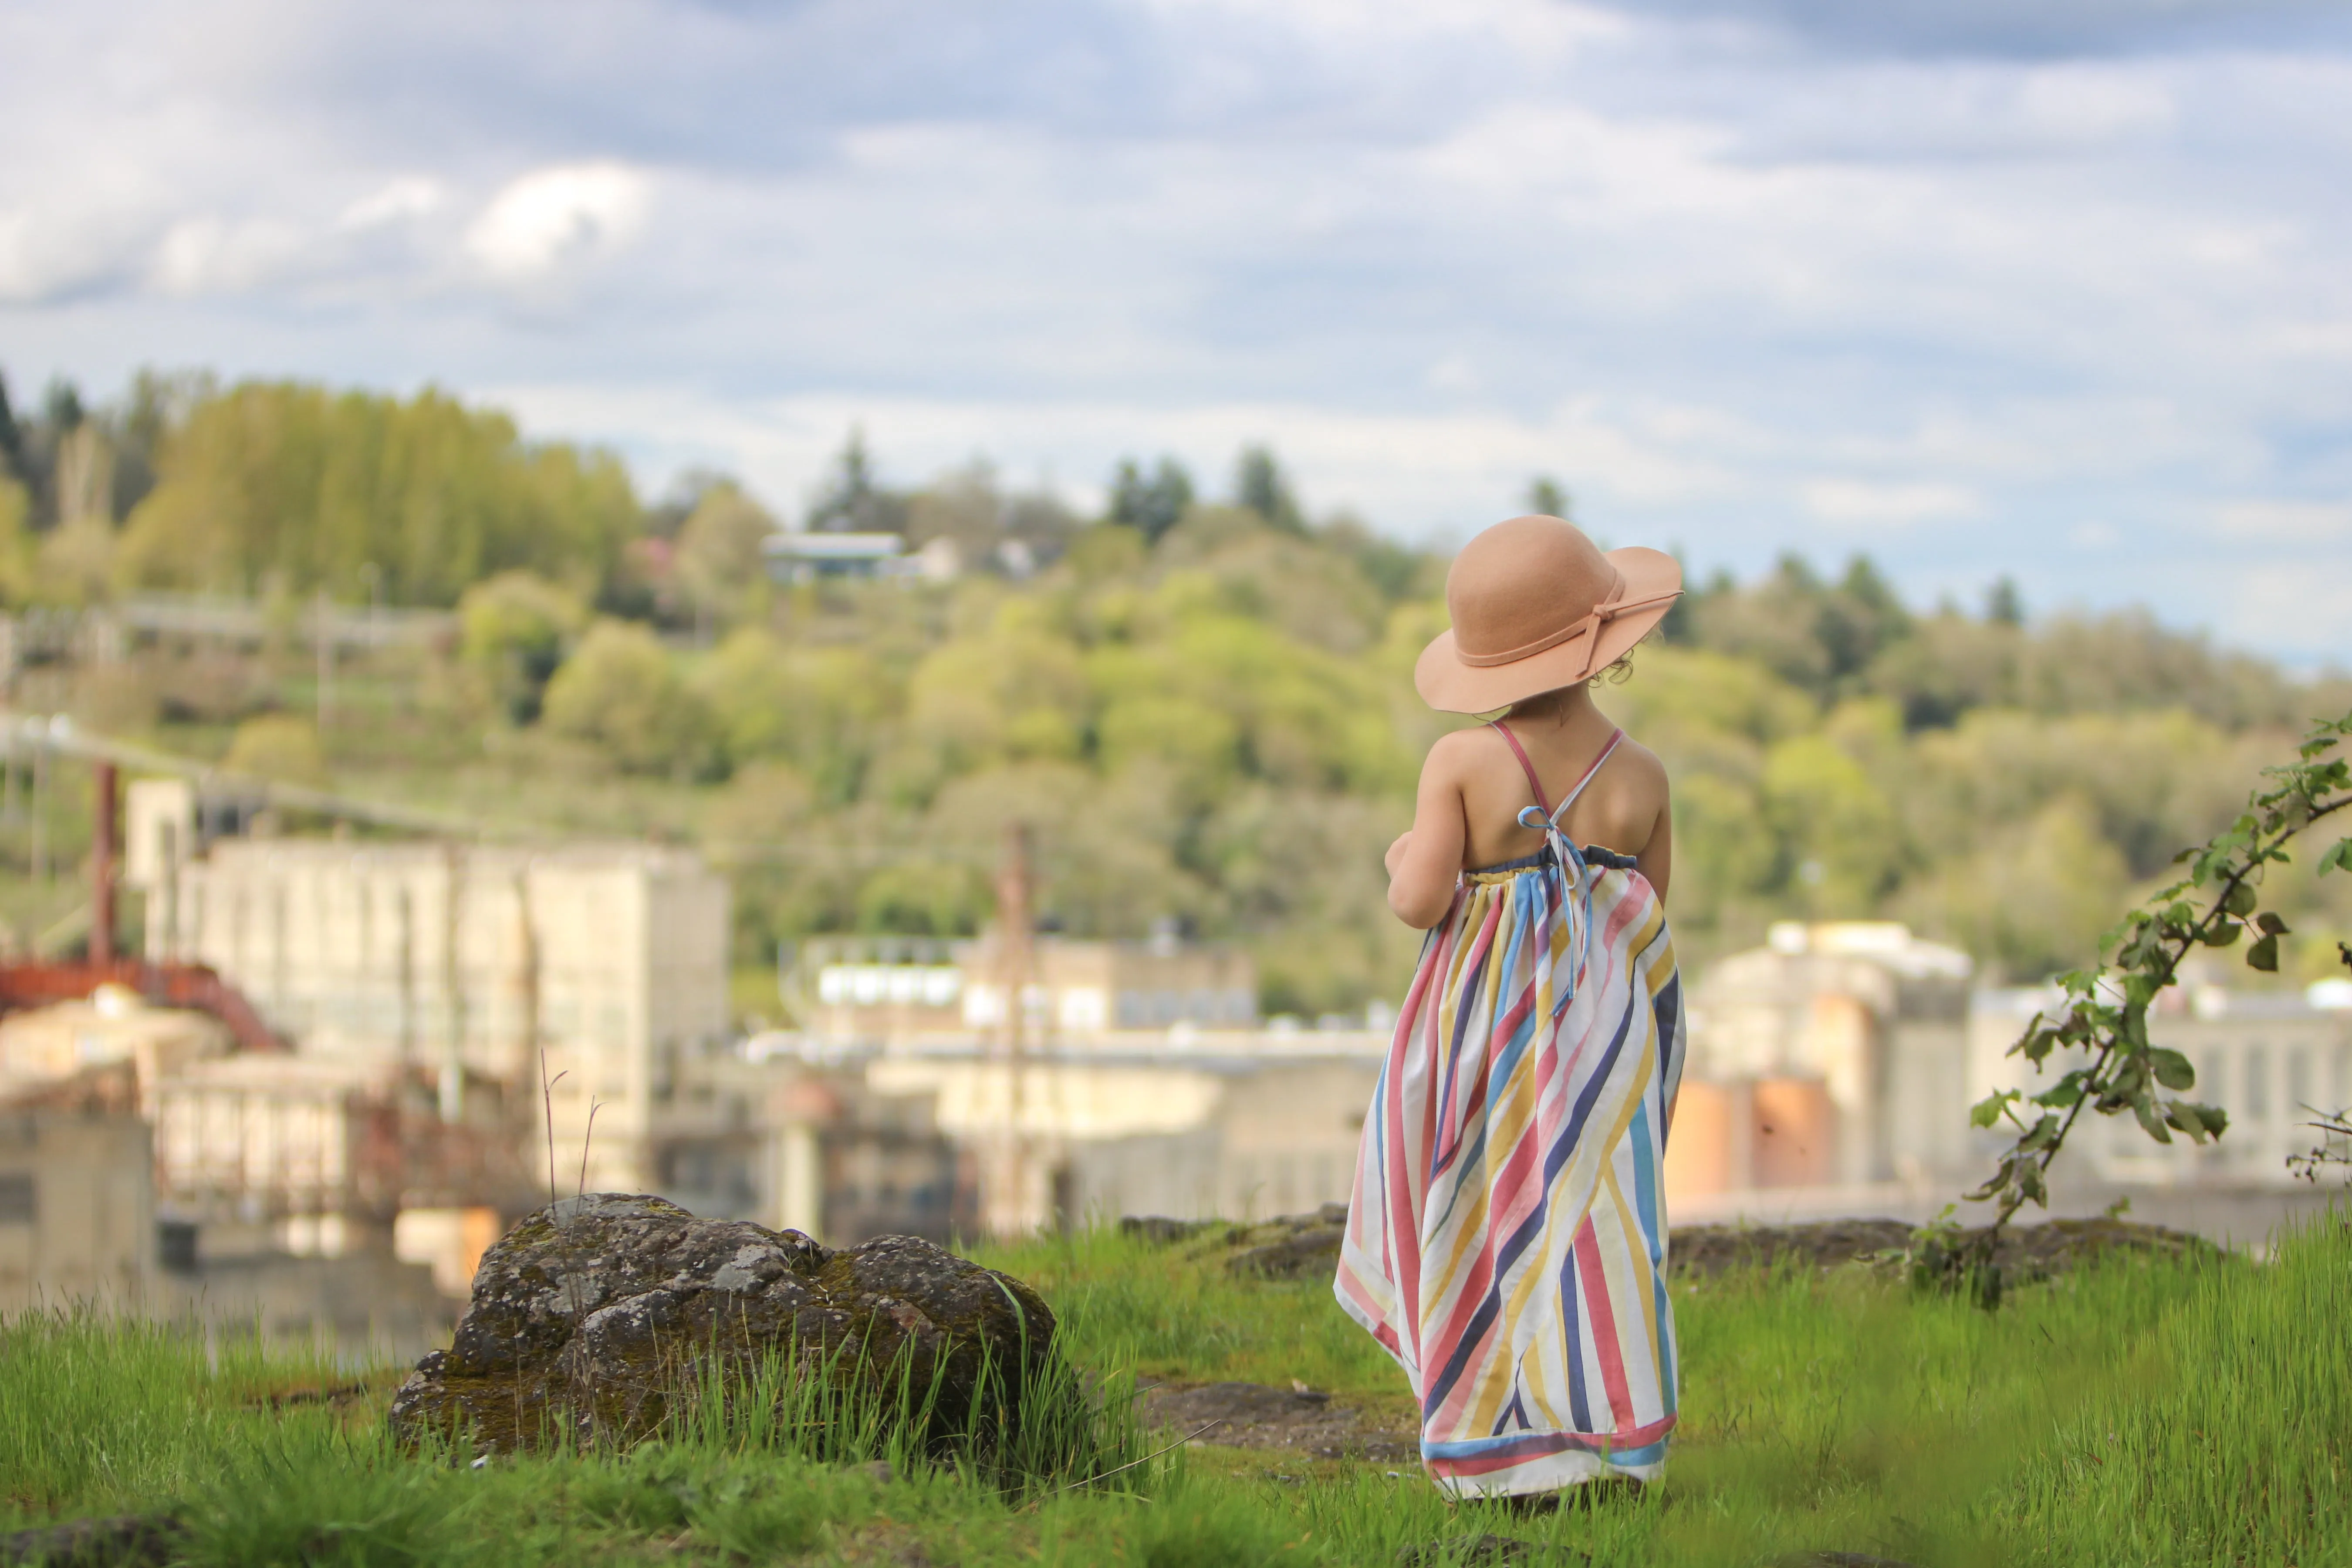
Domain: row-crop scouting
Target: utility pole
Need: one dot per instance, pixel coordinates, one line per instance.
(323, 634)
(41, 813)
(1015, 926)
(453, 973)
(103, 826)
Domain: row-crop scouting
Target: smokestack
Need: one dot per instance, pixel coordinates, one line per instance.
(101, 865)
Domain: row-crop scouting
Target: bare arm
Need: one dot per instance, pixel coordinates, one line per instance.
(1424, 863)
(1657, 861)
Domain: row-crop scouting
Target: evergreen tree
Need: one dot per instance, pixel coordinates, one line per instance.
(1154, 504)
(12, 439)
(854, 503)
(1546, 497)
(2004, 607)
(1260, 486)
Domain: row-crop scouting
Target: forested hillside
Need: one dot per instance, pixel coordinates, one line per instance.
(1203, 706)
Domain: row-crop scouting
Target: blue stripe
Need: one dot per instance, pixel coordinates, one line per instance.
(1572, 1313)
(1538, 1445)
(1471, 1337)
(1557, 1156)
(1645, 1182)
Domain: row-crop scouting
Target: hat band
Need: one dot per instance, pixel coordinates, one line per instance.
(1591, 623)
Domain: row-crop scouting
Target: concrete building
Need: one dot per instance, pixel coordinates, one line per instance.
(76, 1213)
(1833, 1057)
(464, 962)
(1241, 1125)
(1077, 993)
(46, 1045)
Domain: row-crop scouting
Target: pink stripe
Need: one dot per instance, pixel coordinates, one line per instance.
(1541, 1444)
(1604, 1320)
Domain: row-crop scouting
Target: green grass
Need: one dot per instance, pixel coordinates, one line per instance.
(2136, 1413)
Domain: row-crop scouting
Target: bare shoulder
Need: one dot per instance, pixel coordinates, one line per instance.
(1627, 798)
(1456, 755)
(1635, 763)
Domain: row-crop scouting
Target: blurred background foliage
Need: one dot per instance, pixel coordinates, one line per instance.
(1201, 700)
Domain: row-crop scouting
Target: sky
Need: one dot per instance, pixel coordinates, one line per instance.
(2059, 290)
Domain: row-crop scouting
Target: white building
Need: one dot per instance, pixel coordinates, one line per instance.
(2271, 1058)
(455, 962)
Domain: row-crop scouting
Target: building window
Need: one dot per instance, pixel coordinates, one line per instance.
(2298, 1080)
(19, 1199)
(2258, 1083)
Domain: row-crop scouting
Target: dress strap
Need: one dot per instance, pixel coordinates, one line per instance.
(1535, 784)
(1615, 736)
(1526, 767)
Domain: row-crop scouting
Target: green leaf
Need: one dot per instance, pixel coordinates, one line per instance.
(2151, 1119)
(2240, 900)
(2271, 923)
(1987, 1112)
(2201, 1122)
(2044, 1133)
(2065, 1091)
(2337, 857)
(2214, 1119)
(2264, 955)
(2222, 933)
(2172, 1069)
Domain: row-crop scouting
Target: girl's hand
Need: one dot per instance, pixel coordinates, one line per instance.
(1424, 864)
(1396, 851)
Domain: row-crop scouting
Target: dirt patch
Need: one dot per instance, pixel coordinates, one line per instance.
(2026, 1251)
(1292, 1420)
(1306, 1246)
(130, 1541)
(1484, 1552)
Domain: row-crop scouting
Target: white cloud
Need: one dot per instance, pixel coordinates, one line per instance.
(1737, 288)
(552, 216)
(2287, 522)
(213, 255)
(399, 201)
(1897, 504)
(2302, 606)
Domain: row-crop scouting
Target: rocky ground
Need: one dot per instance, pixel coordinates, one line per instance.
(1306, 1246)
(1297, 1419)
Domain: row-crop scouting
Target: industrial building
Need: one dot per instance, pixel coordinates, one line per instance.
(462, 963)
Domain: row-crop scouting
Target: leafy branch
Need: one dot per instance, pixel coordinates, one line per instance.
(2105, 1015)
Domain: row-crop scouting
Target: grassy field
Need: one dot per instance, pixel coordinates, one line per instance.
(2140, 1412)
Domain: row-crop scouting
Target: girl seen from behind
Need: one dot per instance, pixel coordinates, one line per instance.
(1507, 1239)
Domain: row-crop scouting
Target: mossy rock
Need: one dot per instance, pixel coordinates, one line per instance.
(599, 1318)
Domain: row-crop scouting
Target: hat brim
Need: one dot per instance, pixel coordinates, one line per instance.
(1450, 686)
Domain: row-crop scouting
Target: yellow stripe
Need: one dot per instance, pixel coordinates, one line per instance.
(1645, 1294)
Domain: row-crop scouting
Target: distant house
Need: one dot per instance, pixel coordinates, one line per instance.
(804, 557)
(1077, 993)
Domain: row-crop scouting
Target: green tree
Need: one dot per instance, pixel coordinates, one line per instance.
(12, 436)
(1260, 486)
(15, 544)
(853, 501)
(517, 627)
(292, 483)
(721, 566)
(1547, 497)
(622, 692)
(1151, 504)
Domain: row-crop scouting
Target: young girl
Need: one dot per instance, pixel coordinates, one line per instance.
(1508, 1239)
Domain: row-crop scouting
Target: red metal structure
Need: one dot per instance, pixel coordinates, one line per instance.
(38, 984)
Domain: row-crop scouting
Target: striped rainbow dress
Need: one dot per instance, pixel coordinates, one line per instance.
(1508, 1239)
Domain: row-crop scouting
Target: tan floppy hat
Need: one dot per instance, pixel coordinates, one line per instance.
(1538, 607)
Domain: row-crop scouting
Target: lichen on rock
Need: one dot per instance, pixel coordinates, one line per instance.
(599, 1318)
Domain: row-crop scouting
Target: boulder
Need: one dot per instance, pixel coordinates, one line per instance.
(597, 1317)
